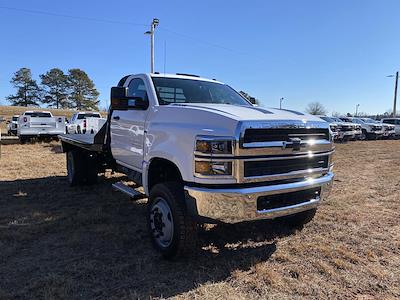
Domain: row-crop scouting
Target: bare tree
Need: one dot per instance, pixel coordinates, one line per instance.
(316, 108)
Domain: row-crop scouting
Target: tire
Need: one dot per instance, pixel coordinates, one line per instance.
(173, 232)
(75, 168)
(91, 169)
(301, 218)
(78, 130)
(364, 135)
(82, 168)
(23, 140)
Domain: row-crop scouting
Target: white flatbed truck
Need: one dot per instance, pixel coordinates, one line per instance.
(204, 154)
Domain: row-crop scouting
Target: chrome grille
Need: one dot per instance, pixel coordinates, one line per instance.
(254, 135)
(282, 166)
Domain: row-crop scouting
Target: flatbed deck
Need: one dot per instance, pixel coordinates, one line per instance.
(85, 141)
(91, 142)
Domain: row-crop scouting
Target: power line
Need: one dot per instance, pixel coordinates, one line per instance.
(197, 40)
(185, 36)
(39, 12)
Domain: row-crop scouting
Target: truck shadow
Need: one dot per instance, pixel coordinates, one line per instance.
(91, 242)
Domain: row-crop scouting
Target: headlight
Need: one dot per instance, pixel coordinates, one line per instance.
(213, 168)
(333, 128)
(210, 145)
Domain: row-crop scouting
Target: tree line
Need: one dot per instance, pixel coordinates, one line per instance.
(74, 90)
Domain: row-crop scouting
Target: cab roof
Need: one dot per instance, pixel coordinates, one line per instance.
(177, 75)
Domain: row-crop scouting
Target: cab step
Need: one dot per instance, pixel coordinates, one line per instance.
(131, 192)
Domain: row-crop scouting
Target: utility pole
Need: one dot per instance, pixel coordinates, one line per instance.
(153, 26)
(357, 106)
(280, 102)
(395, 94)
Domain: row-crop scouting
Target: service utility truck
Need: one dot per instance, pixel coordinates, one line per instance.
(41, 125)
(204, 154)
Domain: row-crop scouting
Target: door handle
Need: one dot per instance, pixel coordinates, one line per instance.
(116, 118)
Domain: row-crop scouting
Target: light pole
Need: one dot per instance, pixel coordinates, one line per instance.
(280, 102)
(395, 92)
(357, 106)
(153, 26)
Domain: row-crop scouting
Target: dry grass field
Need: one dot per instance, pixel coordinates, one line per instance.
(91, 243)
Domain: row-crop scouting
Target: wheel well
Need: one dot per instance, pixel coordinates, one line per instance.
(162, 170)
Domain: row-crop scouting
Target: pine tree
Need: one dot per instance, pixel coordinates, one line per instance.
(55, 88)
(83, 94)
(28, 92)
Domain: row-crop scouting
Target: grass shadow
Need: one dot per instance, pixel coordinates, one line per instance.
(91, 242)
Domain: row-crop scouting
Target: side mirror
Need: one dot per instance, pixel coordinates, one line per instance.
(121, 101)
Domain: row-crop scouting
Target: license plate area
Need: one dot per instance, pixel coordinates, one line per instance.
(269, 202)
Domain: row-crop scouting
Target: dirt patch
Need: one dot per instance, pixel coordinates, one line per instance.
(91, 242)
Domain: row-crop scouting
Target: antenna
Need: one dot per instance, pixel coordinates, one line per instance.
(165, 55)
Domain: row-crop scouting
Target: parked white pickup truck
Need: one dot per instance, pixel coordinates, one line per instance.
(85, 122)
(388, 129)
(204, 154)
(370, 129)
(12, 126)
(40, 124)
(343, 131)
(395, 122)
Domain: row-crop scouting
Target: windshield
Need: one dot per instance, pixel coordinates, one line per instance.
(177, 90)
(346, 120)
(88, 115)
(327, 119)
(369, 120)
(38, 114)
(15, 118)
(336, 119)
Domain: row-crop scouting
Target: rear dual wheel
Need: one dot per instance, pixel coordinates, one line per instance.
(81, 168)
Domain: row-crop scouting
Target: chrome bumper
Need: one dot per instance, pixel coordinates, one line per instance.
(240, 204)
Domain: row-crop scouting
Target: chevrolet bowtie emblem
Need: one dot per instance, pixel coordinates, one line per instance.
(295, 144)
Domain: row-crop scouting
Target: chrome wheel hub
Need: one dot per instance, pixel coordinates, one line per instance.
(161, 222)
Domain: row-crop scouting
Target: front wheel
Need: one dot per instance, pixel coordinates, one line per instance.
(173, 232)
(364, 135)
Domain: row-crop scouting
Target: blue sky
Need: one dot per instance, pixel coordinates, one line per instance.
(335, 52)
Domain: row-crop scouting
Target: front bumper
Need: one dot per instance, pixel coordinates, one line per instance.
(233, 205)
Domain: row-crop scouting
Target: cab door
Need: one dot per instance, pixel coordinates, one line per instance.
(127, 129)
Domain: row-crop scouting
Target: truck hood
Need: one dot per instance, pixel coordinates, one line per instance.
(248, 113)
